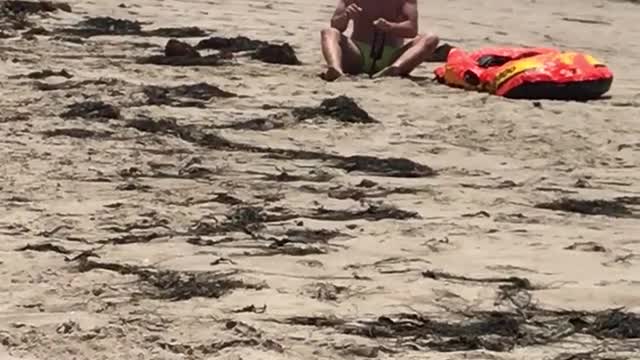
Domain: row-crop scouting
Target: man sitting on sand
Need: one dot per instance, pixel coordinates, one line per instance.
(396, 19)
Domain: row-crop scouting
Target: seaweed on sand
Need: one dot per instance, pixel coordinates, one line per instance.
(34, 7)
(234, 44)
(44, 74)
(260, 50)
(393, 167)
(495, 330)
(374, 212)
(612, 208)
(106, 25)
(159, 95)
(277, 54)
(178, 53)
(247, 219)
(176, 32)
(341, 108)
(175, 285)
(92, 110)
(77, 133)
(14, 13)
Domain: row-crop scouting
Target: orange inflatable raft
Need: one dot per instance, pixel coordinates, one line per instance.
(527, 73)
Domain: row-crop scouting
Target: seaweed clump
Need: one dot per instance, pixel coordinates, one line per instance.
(341, 108)
(176, 285)
(178, 53)
(277, 54)
(611, 208)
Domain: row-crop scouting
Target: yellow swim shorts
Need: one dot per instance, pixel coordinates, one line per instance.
(388, 57)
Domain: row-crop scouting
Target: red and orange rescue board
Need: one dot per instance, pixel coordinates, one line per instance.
(527, 73)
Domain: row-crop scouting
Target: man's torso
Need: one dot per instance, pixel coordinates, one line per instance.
(390, 10)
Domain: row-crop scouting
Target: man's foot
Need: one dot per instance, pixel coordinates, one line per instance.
(388, 71)
(332, 74)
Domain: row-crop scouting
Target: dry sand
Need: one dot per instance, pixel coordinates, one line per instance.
(147, 202)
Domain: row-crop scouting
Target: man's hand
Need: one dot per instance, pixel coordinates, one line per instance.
(346, 11)
(353, 11)
(383, 24)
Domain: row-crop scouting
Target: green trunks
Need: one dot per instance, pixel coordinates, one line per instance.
(389, 54)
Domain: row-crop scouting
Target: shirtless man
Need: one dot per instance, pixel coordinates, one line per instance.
(398, 19)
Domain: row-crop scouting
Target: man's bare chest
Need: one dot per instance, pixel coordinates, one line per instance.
(386, 9)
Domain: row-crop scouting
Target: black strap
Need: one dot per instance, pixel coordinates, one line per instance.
(377, 49)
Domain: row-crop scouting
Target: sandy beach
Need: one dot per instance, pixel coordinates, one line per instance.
(214, 212)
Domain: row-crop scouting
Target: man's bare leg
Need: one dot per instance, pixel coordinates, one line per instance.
(412, 54)
(341, 54)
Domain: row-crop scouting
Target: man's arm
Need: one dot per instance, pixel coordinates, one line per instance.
(340, 19)
(407, 28)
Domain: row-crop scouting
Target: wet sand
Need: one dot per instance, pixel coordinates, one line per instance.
(148, 218)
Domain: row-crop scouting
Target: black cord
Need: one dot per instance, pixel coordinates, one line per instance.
(377, 49)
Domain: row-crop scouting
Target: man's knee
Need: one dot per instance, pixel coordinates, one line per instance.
(427, 42)
(330, 33)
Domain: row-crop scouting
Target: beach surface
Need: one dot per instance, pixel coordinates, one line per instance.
(145, 219)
